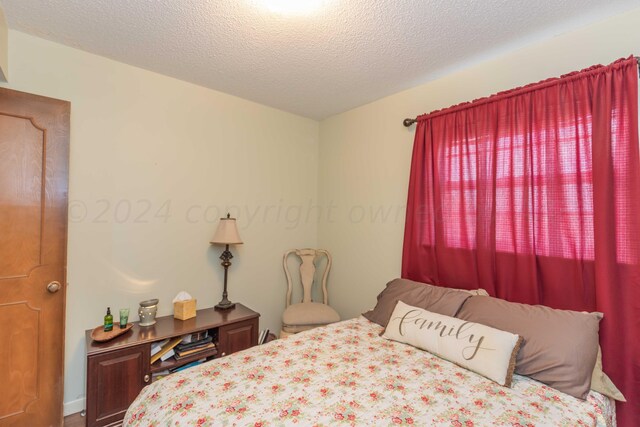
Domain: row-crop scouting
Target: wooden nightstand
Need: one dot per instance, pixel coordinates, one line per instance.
(117, 370)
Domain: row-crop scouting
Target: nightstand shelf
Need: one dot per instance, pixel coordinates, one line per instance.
(117, 370)
(173, 363)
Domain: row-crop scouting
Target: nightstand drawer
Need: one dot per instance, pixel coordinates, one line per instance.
(237, 337)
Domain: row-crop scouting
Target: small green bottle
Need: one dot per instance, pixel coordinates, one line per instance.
(108, 320)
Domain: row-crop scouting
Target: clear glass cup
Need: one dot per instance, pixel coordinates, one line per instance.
(124, 317)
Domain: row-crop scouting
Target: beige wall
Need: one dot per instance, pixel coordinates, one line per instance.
(4, 48)
(176, 155)
(365, 153)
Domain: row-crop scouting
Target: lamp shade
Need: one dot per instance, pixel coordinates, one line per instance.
(227, 232)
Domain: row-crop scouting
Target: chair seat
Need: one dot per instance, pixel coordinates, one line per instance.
(309, 313)
(296, 329)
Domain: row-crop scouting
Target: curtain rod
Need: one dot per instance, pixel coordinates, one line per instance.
(408, 122)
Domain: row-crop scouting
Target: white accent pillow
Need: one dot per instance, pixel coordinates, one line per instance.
(487, 351)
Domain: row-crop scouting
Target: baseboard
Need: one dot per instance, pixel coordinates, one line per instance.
(73, 407)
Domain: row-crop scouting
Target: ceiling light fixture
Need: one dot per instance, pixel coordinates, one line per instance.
(293, 7)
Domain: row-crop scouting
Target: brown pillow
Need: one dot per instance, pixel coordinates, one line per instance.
(428, 297)
(477, 292)
(559, 348)
(601, 382)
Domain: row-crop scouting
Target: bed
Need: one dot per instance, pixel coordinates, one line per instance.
(346, 374)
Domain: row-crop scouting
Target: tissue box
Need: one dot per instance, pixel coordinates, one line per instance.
(184, 310)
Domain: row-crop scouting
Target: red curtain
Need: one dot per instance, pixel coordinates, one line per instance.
(534, 195)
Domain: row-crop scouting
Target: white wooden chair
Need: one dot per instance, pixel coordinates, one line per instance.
(307, 314)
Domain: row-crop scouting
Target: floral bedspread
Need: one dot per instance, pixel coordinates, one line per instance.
(345, 374)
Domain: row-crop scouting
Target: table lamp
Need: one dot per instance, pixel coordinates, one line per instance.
(226, 234)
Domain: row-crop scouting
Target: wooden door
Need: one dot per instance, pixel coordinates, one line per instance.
(34, 153)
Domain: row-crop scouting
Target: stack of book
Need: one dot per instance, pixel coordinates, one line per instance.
(183, 349)
(164, 350)
(196, 336)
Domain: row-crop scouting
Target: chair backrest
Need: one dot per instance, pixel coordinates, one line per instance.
(307, 272)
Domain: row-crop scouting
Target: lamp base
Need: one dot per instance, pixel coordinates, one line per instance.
(224, 305)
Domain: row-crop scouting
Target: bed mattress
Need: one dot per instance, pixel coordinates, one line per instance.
(345, 374)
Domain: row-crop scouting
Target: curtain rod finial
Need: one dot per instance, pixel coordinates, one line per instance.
(408, 122)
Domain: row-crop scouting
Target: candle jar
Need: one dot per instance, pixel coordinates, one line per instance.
(147, 312)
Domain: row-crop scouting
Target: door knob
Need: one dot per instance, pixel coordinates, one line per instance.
(53, 287)
(146, 378)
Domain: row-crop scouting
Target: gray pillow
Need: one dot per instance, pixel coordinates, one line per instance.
(428, 297)
(559, 347)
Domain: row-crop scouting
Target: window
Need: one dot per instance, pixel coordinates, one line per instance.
(542, 196)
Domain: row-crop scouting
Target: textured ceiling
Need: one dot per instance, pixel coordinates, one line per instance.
(347, 54)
